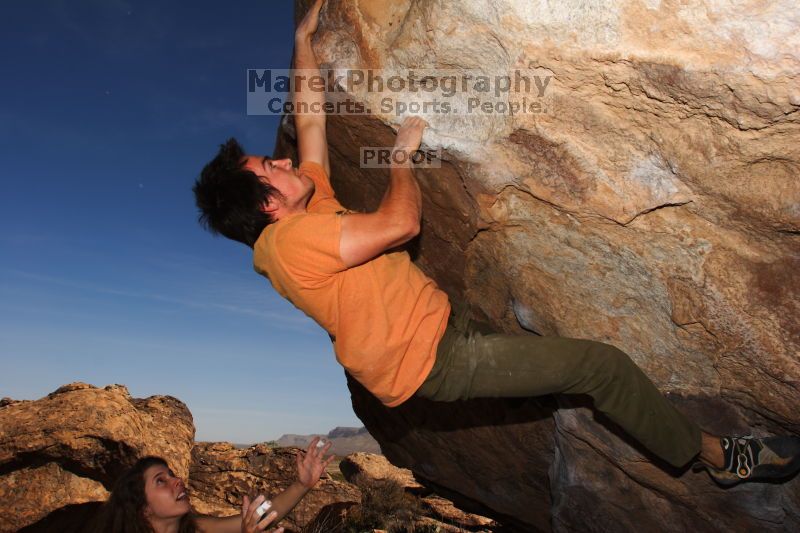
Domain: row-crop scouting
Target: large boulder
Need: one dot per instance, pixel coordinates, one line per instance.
(64, 451)
(377, 467)
(653, 203)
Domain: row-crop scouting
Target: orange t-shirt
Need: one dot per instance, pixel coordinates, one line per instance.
(385, 316)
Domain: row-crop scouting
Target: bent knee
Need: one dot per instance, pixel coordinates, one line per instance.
(608, 358)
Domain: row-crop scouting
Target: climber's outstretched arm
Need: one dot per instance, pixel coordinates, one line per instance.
(397, 219)
(312, 143)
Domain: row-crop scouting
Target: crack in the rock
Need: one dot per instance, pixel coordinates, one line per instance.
(40, 457)
(641, 482)
(575, 214)
(689, 109)
(733, 395)
(656, 208)
(400, 26)
(684, 324)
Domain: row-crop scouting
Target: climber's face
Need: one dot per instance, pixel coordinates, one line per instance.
(165, 494)
(296, 189)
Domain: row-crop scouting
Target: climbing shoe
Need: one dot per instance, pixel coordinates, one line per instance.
(755, 459)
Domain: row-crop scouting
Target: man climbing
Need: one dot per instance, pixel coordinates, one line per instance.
(394, 330)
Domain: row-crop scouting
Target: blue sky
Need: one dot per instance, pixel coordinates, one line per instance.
(109, 109)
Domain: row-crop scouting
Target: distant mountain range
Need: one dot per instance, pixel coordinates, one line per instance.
(345, 441)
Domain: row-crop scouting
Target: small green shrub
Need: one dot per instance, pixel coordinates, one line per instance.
(384, 505)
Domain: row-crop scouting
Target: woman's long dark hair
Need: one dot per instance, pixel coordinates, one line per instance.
(123, 512)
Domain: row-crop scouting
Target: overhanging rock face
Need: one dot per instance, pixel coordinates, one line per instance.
(653, 203)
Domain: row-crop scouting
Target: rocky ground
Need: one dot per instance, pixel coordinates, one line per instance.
(60, 455)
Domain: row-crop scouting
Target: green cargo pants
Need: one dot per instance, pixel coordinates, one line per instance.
(473, 362)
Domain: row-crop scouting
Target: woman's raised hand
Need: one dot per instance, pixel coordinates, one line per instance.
(312, 463)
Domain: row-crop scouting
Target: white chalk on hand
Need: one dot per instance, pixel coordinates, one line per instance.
(321, 443)
(262, 509)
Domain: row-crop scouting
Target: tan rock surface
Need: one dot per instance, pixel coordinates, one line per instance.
(30, 494)
(654, 205)
(222, 474)
(443, 510)
(69, 447)
(377, 467)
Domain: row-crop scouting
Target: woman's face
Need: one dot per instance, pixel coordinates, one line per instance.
(166, 494)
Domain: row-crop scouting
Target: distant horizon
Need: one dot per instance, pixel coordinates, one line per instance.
(110, 111)
(358, 426)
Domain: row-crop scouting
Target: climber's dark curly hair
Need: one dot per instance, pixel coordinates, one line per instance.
(123, 512)
(230, 197)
